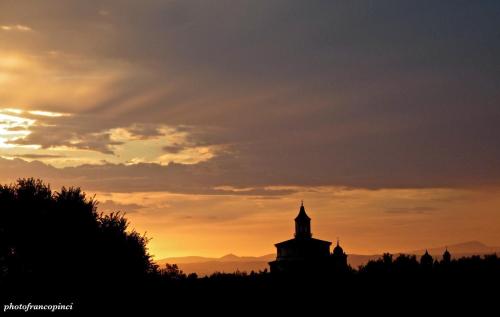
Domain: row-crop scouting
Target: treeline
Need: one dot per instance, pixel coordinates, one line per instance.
(408, 265)
(400, 267)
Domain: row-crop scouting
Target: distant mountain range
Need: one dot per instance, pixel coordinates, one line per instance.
(228, 263)
(461, 249)
(231, 263)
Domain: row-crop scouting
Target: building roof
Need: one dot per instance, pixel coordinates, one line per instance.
(302, 241)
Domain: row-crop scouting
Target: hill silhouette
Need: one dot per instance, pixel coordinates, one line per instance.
(228, 263)
(226, 258)
(461, 249)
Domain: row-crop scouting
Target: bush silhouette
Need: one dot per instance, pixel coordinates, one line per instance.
(58, 239)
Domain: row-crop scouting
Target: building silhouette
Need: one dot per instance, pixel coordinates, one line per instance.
(304, 253)
(339, 258)
(426, 260)
(446, 256)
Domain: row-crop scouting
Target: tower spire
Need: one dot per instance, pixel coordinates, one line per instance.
(302, 224)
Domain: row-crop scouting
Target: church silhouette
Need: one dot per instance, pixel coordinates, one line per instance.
(304, 253)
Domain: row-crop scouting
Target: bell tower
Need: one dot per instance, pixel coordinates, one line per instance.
(302, 224)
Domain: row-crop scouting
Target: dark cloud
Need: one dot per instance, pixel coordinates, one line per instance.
(144, 131)
(210, 178)
(68, 133)
(385, 94)
(174, 148)
(113, 206)
(412, 210)
(14, 129)
(37, 156)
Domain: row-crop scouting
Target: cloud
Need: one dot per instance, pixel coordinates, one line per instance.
(17, 27)
(46, 113)
(270, 93)
(37, 156)
(174, 148)
(176, 178)
(64, 135)
(47, 136)
(221, 175)
(113, 206)
(407, 210)
(144, 131)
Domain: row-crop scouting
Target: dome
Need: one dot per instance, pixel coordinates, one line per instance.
(426, 259)
(338, 249)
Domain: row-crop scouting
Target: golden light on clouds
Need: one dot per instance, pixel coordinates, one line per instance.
(13, 127)
(169, 145)
(69, 81)
(16, 27)
(165, 145)
(47, 113)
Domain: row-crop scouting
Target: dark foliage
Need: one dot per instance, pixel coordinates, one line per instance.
(57, 242)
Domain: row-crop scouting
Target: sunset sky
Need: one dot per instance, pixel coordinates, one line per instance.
(208, 122)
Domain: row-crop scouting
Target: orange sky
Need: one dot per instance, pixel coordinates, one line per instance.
(366, 221)
(209, 123)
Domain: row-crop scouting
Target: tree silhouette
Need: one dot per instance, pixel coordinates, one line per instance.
(58, 239)
(172, 271)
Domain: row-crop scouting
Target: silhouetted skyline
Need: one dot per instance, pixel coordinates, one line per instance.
(57, 247)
